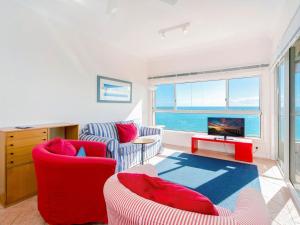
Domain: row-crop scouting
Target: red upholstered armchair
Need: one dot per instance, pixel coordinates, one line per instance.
(70, 188)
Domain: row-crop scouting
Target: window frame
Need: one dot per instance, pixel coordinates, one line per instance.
(226, 111)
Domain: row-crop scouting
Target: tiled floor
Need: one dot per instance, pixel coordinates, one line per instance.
(274, 190)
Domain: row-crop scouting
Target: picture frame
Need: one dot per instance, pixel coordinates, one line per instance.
(111, 90)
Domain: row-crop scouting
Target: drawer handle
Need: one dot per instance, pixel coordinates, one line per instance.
(44, 139)
(11, 162)
(11, 153)
(11, 136)
(44, 132)
(11, 144)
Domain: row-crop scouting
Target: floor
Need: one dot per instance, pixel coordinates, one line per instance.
(274, 190)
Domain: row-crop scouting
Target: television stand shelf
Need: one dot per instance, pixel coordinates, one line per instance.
(243, 146)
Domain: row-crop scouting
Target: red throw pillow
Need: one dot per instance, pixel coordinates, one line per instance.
(127, 132)
(61, 147)
(167, 193)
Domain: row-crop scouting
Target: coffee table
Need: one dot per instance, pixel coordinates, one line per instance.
(143, 141)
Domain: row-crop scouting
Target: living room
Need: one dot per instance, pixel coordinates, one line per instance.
(150, 83)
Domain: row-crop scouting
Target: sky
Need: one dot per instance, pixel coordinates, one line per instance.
(242, 92)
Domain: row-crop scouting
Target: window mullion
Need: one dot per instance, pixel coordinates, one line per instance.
(154, 107)
(175, 100)
(227, 95)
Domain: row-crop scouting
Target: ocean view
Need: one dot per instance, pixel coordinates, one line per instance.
(198, 122)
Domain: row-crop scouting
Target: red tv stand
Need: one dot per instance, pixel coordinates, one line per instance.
(243, 146)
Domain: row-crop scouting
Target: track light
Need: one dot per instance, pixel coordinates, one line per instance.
(183, 27)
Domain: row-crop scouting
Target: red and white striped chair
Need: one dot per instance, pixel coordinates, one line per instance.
(126, 208)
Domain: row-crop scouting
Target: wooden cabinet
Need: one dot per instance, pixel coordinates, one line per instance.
(20, 182)
(17, 177)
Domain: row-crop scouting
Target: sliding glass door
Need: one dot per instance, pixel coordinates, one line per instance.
(294, 117)
(282, 111)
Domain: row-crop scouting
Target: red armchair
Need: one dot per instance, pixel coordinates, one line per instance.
(70, 188)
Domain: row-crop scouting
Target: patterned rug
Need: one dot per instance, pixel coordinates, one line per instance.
(220, 180)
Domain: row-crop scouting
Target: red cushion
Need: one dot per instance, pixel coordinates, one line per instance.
(61, 147)
(167, 193)
(127, 132)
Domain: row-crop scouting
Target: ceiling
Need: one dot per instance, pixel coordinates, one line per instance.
(134, 27)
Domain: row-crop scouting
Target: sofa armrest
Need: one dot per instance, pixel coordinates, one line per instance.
(251, 209)
(96, 149)
(145, 131)
(145, 169)
(112, 145)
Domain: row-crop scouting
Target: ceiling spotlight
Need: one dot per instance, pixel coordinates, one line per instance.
(171, 2)
(112, 6)
(113, 10)
(184, 30)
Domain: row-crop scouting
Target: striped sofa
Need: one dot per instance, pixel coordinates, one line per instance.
(126, 208)
(126, 154)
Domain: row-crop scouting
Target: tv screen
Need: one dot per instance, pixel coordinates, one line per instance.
(234, 127)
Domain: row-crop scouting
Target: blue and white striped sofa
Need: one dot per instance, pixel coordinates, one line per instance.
(126, 154)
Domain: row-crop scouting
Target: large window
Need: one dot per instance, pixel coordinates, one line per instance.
(165, 98)
(244, 94)
(282, 77)
(201, 95)
(186, 106)
(294, 114)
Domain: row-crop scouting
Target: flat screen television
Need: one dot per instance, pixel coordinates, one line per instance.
(233, 127)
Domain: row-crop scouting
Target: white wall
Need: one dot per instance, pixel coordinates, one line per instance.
(225, 55)
(48, 72)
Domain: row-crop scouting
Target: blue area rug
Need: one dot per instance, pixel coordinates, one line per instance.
(220, 180)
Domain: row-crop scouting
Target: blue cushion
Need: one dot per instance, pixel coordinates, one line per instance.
(81, 152)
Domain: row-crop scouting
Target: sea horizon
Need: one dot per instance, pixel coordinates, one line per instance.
(196, 122)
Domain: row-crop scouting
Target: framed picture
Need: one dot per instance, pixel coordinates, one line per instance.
(113, 90)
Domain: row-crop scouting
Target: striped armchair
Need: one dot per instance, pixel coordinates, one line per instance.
(126, 207)
(126, 154)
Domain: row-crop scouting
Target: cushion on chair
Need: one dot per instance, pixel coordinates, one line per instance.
(61, 147)
(126, 132)
(137, 125)
(81, 152)
(167, 193)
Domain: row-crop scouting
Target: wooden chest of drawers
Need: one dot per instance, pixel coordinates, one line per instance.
(17, 177)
